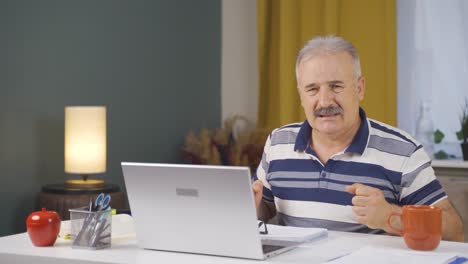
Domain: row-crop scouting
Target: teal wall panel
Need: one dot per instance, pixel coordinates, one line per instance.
(154, 64)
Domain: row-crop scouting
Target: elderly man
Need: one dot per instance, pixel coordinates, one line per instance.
(339, 169)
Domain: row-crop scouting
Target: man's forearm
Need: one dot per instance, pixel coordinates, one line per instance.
(266, 211)
(452, 225)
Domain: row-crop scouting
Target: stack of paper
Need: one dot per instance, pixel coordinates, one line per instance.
(370, 254)
(291, 233)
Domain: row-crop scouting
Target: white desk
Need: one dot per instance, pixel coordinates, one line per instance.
(18, 249)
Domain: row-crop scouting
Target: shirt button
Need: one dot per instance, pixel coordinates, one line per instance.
(324, 174)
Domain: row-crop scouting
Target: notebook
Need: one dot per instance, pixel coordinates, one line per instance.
(197, 209)
(292, 233)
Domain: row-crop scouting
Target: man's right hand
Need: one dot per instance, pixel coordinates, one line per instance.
(257, 188)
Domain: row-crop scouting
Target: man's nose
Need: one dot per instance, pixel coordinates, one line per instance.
(325, 97)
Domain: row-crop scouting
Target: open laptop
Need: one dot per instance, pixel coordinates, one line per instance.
(197, 209)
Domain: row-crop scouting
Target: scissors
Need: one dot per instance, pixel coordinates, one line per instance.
(102, 202)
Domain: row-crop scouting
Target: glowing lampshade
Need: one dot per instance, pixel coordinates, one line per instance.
(85, 140)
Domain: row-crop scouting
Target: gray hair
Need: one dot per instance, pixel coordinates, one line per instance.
(328, 45)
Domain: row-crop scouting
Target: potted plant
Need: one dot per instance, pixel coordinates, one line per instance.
(463, 133)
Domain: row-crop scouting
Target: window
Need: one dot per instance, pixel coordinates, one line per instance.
(433, 65)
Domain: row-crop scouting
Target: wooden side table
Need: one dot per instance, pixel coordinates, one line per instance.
(55, 197)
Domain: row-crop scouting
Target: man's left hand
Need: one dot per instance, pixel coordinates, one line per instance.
(370, 207)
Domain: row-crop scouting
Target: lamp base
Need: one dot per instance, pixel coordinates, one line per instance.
(60, 188)
(84, 184)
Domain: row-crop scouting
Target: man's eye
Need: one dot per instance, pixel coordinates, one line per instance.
(336, 88)
(312, 90)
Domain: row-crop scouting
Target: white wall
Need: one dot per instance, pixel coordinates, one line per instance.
(239, 70)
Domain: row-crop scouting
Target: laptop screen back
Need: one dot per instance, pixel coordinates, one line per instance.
(193, 208)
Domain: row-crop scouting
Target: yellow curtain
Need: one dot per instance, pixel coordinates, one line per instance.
(285, 26)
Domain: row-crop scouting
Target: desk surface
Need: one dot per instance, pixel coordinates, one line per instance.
(18, 249)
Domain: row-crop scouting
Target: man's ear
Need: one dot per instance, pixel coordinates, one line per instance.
(361, 88)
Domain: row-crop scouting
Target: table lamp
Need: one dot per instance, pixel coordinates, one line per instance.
(85, 144)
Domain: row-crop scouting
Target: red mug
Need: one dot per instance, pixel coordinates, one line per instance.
(421, 226)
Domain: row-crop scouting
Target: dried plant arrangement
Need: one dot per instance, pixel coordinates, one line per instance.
(237, 143)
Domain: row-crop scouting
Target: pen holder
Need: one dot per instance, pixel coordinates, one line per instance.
(90, 229)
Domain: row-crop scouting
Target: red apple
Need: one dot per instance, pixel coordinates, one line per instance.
(43, 227)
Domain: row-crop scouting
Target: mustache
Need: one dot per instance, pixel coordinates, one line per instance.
(331, 110)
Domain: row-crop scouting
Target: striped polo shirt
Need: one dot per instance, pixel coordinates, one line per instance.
(308, 193)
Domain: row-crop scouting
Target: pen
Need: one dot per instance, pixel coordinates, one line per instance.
(84, 235)
(458, 260)
(97, 232)
(335, 258)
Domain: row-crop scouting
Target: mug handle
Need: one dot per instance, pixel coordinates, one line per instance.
(399, 232)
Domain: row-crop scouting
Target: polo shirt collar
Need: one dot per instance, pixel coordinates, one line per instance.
(303, 136)
(358, 145)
